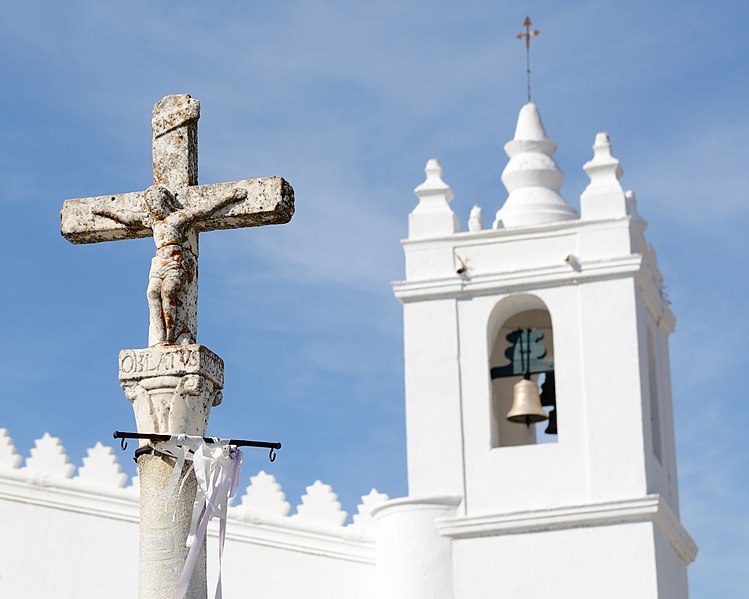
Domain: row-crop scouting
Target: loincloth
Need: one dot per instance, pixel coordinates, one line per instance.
(171, 262)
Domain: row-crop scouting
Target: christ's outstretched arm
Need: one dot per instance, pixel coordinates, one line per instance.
(123, 217)
(193, 214)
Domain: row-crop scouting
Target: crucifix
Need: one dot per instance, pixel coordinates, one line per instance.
(174, 210)
(174, 382)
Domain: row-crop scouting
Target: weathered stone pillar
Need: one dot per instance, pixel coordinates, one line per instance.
(172, 389)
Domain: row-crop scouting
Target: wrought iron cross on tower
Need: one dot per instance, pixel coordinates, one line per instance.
(527, 35)
(174, 382)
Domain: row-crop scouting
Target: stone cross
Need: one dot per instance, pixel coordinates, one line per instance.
(174, 210)
(174, 382)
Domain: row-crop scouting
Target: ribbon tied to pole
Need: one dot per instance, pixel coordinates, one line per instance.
(217, 467)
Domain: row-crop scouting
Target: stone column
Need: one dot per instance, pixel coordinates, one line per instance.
(172, 389)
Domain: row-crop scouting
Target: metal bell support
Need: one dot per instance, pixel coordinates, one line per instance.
(549, 400)
(526, 403)
(552, 428)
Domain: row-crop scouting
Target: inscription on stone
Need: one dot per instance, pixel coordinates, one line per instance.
(175, 360)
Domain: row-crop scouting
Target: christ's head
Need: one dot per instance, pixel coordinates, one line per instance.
(160, 202)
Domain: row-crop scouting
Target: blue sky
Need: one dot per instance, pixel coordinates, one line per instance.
(347, 101)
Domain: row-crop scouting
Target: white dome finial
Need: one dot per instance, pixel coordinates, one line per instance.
(530, 126)
(532, 177)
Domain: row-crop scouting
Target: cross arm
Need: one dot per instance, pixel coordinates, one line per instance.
(268, 201)
(265, 201)
(81, 220)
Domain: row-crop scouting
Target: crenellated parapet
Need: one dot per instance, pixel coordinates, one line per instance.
(100, 486)
(86, 514)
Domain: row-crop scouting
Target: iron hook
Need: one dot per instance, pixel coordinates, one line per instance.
(272, 454)
(123, 443)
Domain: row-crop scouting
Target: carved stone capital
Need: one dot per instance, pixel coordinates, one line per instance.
(172, 388)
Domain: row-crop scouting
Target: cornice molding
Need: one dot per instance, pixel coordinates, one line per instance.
(517, 281)
(651, 508)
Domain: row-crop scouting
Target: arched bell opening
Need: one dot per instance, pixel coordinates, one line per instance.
(521, 367)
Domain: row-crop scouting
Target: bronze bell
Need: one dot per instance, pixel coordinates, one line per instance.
(526, 403)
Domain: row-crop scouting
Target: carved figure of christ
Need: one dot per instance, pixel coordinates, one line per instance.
(174, 265)
(174, 210)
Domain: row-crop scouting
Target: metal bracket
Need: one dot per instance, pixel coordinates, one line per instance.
(157, 437)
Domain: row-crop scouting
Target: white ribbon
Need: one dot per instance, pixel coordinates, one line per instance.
(217, 471)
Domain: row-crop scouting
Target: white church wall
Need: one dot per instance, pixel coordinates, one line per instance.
(668, 429)
(655, 324)
(58, 544)
(672, 578)
(433, 411)
(612, 389)
(657, 412)
(548, 564)
(291, 564)
(66, 537)
(85, 525)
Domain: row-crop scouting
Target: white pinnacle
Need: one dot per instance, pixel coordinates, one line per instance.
(433, 216)
(604, 197)
(532, 178)
(433, 184)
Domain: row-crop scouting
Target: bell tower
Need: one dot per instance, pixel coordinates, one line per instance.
(583, 507)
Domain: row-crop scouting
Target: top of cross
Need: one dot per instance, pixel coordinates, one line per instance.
(174, 125)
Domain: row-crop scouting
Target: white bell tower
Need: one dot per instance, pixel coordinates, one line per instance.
(502, 509)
